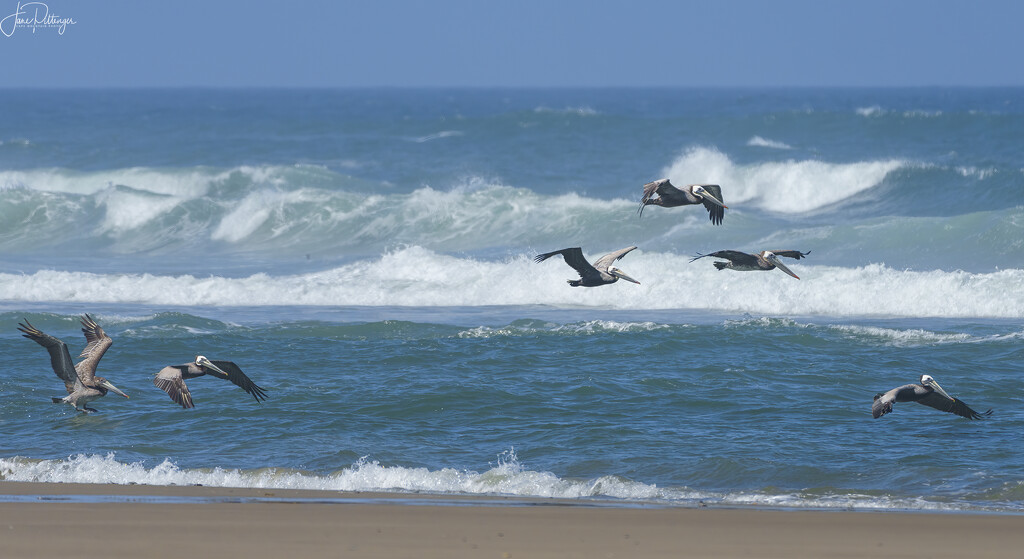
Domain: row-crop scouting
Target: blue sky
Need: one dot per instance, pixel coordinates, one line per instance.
(553, 43)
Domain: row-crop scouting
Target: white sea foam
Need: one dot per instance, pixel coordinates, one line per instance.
(188, 184)
(185, 183)
(758, 141)
(873, 110)
(903, 337)
(437, 136)
(507, 477)
(876, 111)
(128, 208)
(786, 187)
(253, 211)
(581, 110)
(416, 277)
(975, 172)
(581, 328)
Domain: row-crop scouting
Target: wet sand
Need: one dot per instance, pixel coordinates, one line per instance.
(111, 521)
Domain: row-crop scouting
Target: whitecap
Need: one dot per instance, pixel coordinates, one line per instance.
(582, 110)
(758, 141)
(438, 135)
(417, 277)
(873, 110)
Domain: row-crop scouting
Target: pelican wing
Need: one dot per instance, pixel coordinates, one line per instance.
(664, 189)
(170, 380)
(607, 260)
(236, 376)
(574, 258)
(60, 357)
(883, 401)
(796, 254)
(951, 405)
(97, 342)
(734, 256)
(715, 212)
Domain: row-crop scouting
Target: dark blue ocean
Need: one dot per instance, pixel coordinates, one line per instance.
(367, 257)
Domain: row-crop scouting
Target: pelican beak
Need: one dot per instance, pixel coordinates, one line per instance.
(622, 275)
(707, 196)
(938, 388)
(778, 264)
(209, 365)
(106, 384)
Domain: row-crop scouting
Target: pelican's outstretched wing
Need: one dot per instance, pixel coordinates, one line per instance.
(607, 260)
(236, 376)
(97, 342)
(60, 357)
(665, 190)
(715, 212)
(574, 258)
(951, 405)
(883, 401)
(734, 256)
(170, 380)
(796, 254)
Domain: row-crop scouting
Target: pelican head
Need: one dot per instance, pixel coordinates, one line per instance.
(612, 270)
(702, 193)
(774, 259)
(109, 386)
(928, 381)
(207, 364)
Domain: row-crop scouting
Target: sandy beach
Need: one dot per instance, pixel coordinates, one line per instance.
(72, 520)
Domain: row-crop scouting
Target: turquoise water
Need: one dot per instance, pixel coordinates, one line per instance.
(366, 256)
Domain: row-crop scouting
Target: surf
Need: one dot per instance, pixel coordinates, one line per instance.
(419, 277)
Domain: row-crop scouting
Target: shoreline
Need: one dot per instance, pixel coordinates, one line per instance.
(107, 520)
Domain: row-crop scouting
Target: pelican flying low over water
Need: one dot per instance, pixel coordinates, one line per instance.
(928, 393)
(171, 379)
(80, 380)
(601, 272)
(764, 260)
(669, 197)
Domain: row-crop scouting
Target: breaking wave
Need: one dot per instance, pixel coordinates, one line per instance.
(419, 277)
(506, 476)
(785, 187)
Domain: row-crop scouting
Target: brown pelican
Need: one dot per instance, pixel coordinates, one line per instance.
(600, 273)
(81, 381)
(928, 393)
(669, 197)
(765, 260)
(171, 379)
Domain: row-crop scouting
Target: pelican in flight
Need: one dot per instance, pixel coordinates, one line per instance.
(171, 379)
(764, 260)
(928, 393)
(601, 272)
(669, 197)
(80, 380)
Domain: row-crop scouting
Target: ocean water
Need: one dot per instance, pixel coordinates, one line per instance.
(366, 257)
